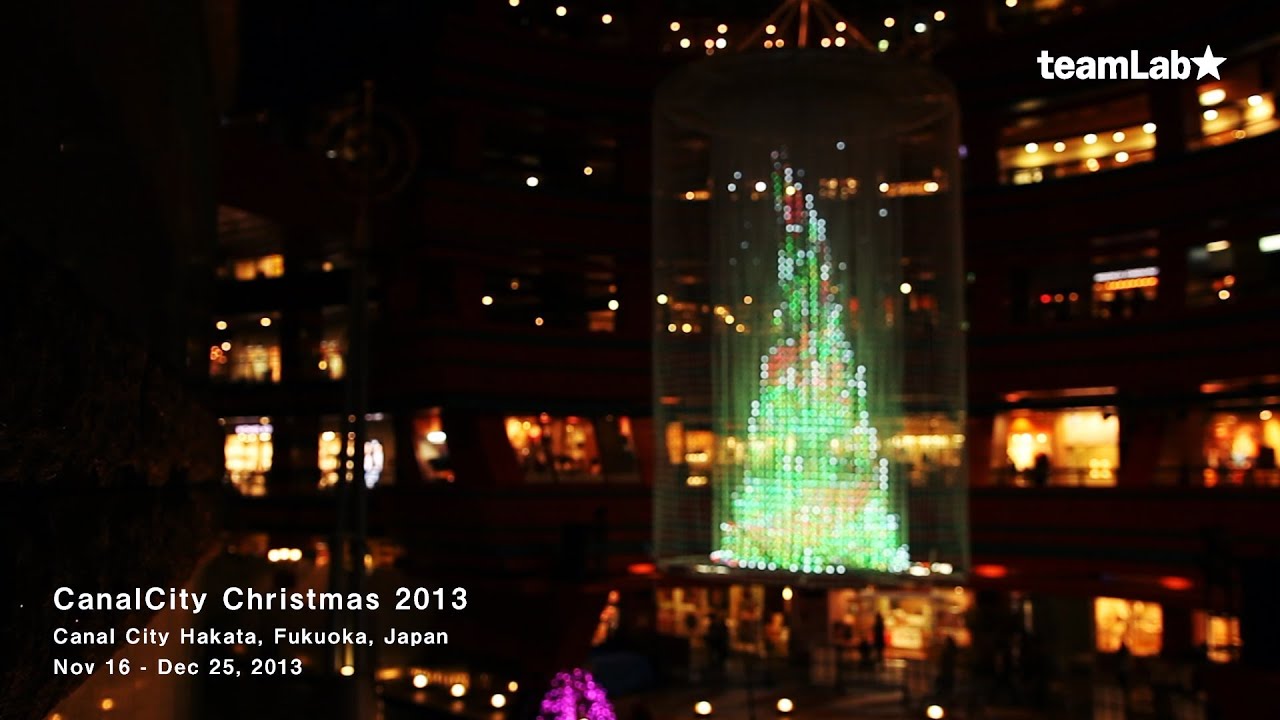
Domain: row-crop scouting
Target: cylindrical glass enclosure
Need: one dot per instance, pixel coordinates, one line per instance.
(809, 352)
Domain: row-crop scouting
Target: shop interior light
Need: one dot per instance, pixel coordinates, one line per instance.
(1127, 274)
(785, 705)
(702, 708)
(1218, 246)
(935, 712)
(1212, 97)
(1269, 243)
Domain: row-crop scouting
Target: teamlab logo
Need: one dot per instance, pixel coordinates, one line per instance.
(1174, 66)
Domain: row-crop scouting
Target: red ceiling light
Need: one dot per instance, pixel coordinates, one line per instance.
(1173, 582)
(991, 572)
(643, 568)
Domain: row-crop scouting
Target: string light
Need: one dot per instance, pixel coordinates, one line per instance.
(675, 26)
(606, 19)
(722, 28)
(812, 493)
(890, 22)
(939, 16)
(561, 11)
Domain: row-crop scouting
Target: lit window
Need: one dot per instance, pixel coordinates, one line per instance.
(1135, 625)
(431, 447)
(377, 455)
(573, 448)
(247, 452)
(1240, 448)
(1219, 635)
(1124, 293)
(1078, 446)
(265, 266)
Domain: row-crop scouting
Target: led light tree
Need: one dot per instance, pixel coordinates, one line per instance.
(814, 492)
(809, 332)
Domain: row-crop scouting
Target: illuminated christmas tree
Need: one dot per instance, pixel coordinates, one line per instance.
(812, 493)
(575, 696)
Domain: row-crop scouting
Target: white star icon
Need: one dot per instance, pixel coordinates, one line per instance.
(1207, 64)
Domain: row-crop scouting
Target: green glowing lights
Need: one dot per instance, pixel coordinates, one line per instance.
(811, 492)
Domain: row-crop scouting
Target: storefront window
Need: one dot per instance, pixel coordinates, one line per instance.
(263, 266)
(378, 451)
(246, 349)
(574, 448)
(1077, 141)
(555, 449)
(248, 452)
(931, 451)
(431, 447)
(1077, 446)
(1134, 624)
(694, 449)
(914, 622)
(682, 611)
(1236, 107)
(1240, 448)
(1124, 293)
(1218, 635)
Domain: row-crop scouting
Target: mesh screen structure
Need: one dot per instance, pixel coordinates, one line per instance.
(809, 330)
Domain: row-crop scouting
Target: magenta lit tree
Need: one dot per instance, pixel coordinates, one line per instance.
(573, 696)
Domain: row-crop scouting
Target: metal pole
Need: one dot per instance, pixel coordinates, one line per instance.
(363, 659)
